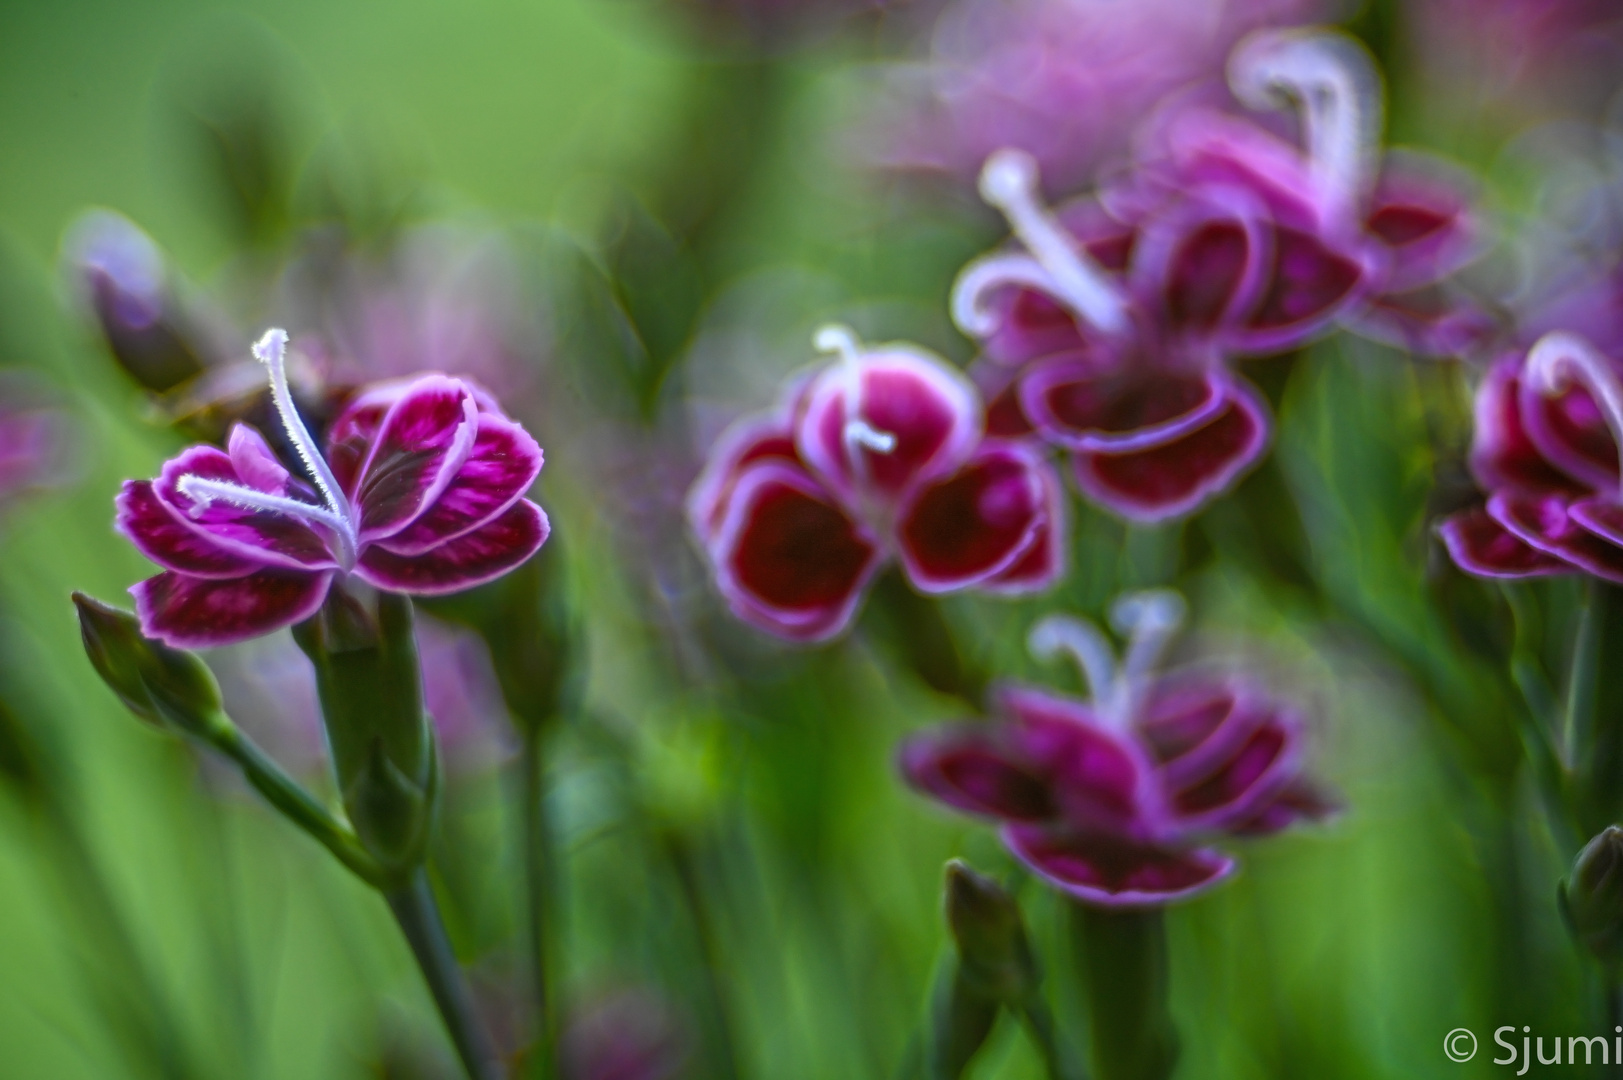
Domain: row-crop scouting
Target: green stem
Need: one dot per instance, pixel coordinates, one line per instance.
(537, 839)
(418, 915)
(1039, 1023)
(1537, 721)
(710, 960)
(1123, 961)
(961, 1021)
(295, 803)
(1578, 731)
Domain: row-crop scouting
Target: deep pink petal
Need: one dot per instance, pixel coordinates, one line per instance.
(755, 438)
(1480, 545)
(158, 533)
(1120, 409)
(1099, 780)
(788, 558)
(1113, 871)
(1043, 564)
(932, 411)
(1309, 286)
(419, 448)
(975, 524)
(1429, 321)
(1203, 261)
(1421, 212)
(1185, 724)
(1249, 774)
(263, 536)
(502, 465)
(471, 559)
(1542, 520)
(1177, 477)
(1299, 801)
(1502, 451)
(980, 770)
(199, 613)
(1570, 431)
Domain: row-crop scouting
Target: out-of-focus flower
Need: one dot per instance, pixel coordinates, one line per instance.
(879, 455)
(33, 440)
(420, 491)
(1227, 241)
(126, 283)
(1066, 81)
(1115, 800)
(1549, 425)
(628, 1035)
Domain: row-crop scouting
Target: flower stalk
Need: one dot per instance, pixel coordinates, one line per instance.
(1122, 958)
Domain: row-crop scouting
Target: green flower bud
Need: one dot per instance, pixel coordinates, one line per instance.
(1592, 898)
(169, 688)
(994, 953)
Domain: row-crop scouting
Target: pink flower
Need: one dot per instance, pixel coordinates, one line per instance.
(1066, 81)
(420, 491)
(879, 456)
(1123, 312)
(1115, 800)
(1548, 430)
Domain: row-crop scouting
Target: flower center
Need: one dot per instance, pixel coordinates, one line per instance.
(1056, 263)
(335, 514)
(857, 434)
(1559, 359)
(1331, 80)
(1149, 620)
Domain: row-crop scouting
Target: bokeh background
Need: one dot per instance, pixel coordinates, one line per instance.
(656, 213)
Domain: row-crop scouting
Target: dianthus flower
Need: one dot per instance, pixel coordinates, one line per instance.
(877, 456)
(420, 491)
(1115, 800)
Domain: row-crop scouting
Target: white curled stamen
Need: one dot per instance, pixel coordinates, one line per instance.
(1149, 621)
(1333, 81)
(1009, 182)
(204, 491)
(1561, 358)
(857, 434)
(1066, 635)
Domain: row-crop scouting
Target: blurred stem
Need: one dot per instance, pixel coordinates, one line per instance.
(418, 915)
(679, 852)
(1578, 729)
(1122, 957)
(960, 1021)
(1537, 721)
(1039, 1023)
(538, 860)
(295, 803)
(919, 631)
(146, 1014)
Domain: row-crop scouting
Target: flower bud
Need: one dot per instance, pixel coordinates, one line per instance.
(1592, 898)
(995, 957)
(169, 688)
(371, 689)
(125, 282)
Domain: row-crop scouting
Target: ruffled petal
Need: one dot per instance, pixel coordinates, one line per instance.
(474, 558)
(198, 613)
(1428, 321)
(419, 448)
(1178, 476)
(1570, 431)
(502, 465)
(1308, 287)
(1250, 772)
(931, 410)
(1543, 521)
(765, 436)
(1480, 545)
(1202, 262)
(1098, 780)
(788, 558)
(980, 770)
(977, 523)
(1502, 452)
(1299, 801)
(158, 533)
(1044, 562)
(1114, 871)
(1421, 213)
(1119, 409)
(263, 536)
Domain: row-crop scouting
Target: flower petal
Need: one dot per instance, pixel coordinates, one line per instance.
(1099, 781)
(1114, 871)
(976, 523)
(158, 533)
(931, 410)
(978, 769)
(1308, 287)
(1075, 404)
(1176, 477)
(1251, 773)
(264, 536)
(788, 558)
(1428, 321)
(500, 468)
(1480, 545)
(1502, 452)
(474, 558)
(1299, 801)
(420, 446)
(755, 438)
(1570, 431)
(1421, 213)
(1542, 520)
(1044, 562)
(198, 613)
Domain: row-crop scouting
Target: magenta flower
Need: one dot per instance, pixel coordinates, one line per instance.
(1116, 800)
(420, 491)
(1548, 431)
(878, 456)
(1123, 312)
